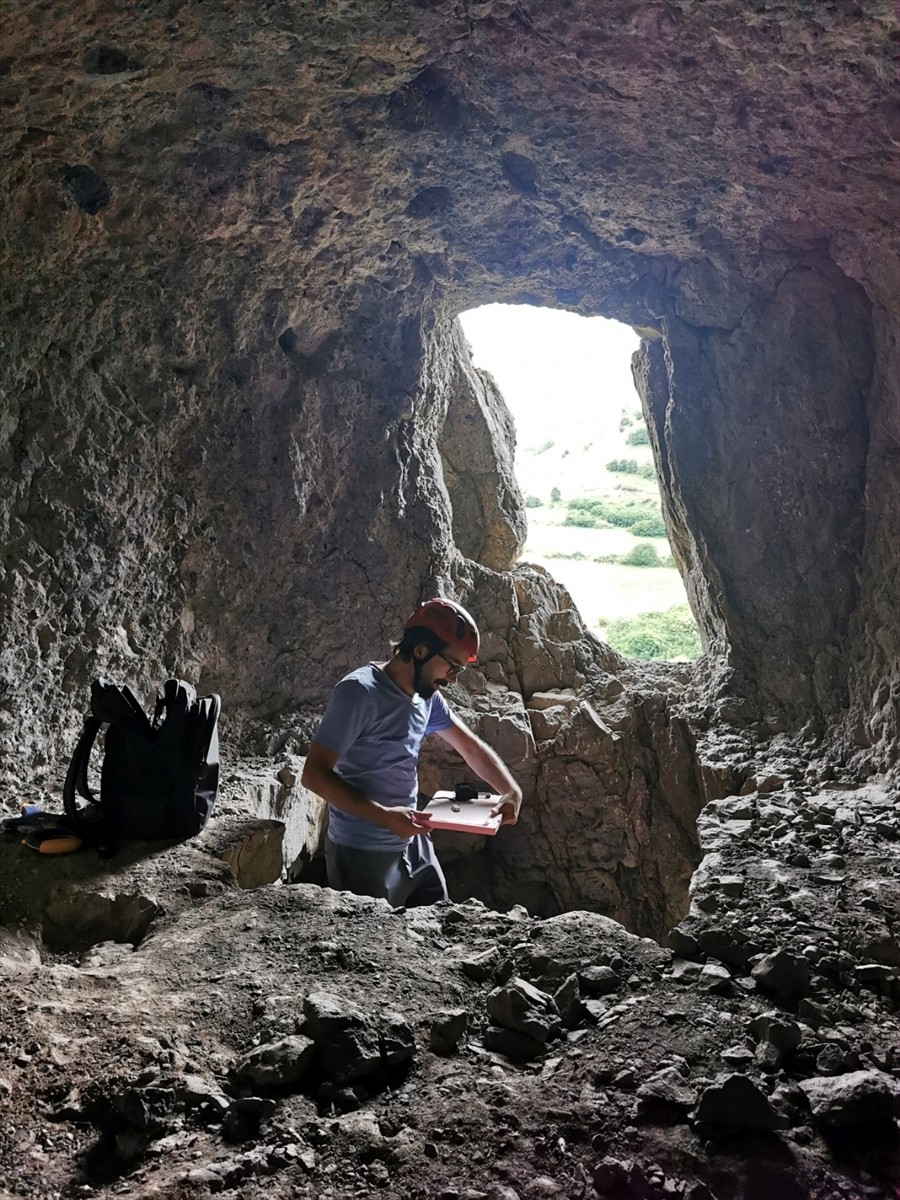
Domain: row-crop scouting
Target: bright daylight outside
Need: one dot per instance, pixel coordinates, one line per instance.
(584, 464)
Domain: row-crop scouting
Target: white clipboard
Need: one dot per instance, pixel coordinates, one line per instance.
(464, 816)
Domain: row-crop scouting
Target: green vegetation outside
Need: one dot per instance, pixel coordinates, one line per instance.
(644, 554)
(643, 518)
(657, 635)
(630, 466)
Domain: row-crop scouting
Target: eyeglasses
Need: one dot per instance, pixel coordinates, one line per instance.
(455, 667)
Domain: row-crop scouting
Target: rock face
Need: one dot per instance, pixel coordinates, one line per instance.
(241, 436)
(234, 246)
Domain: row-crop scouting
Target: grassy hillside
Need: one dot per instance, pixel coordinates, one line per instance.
(584, 464)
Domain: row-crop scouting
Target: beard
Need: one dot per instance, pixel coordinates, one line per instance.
(422, 687)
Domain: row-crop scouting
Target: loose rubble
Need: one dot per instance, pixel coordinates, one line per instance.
(293, 1041)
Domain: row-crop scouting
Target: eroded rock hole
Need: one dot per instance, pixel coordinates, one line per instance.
(585, 467)
(610, 770)
(78, 921)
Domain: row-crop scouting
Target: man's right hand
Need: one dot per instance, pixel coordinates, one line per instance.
(403, 822)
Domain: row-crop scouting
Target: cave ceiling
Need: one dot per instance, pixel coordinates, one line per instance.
(241, 435)
(233, 235)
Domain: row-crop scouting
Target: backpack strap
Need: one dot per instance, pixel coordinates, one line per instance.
(205, 719)
(76, 776)
(110, 703)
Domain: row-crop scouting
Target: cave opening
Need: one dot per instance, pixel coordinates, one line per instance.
(612, 783)
(585, 467)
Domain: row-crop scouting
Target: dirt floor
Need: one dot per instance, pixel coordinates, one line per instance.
(169, 1033)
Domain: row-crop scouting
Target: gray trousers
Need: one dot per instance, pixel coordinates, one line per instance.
(407, 878)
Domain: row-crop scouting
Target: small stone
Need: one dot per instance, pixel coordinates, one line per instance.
(771, 1027)
(856, 1098)
(598, 981)
(280, 1063)
(725, 946)
(205, 1177)
(737, 1056)
(549, 699)
(782, 973)
(522, 1007)
(685, 971)
(568, 1001)
(736, 1102)
(609, 1175)
(769, 784)
(715, 979)
(698, 1191)
(812, 1014)
(484, 966)
(513, 1044)
(834, 1060)
(447, 1028)
(768, 1057)
(625, 1080)
(732, 885)
(542, 1185)
(683, 944)
(667, 1088)
(876, 973)
(352, 1043)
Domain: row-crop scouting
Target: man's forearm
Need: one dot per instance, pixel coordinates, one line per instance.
(334, 790)
(491, 768)
(401, 821)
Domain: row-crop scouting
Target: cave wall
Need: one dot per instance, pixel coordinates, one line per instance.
(234, 242)
(758, 402)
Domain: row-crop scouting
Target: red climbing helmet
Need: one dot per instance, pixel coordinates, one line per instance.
(451, 623)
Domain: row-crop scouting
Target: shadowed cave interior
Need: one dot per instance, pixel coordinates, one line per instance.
(241, 437)
(221, 472)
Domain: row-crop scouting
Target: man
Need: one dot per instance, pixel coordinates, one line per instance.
(364, 756)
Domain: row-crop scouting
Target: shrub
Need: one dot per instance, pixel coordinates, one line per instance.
(648, 527)
(642, 555)
(626, 465)
(583, 520)
(533, 502)
(555, 496)
(670, 634)
(647, 471)
(625, 515)
(638, 437)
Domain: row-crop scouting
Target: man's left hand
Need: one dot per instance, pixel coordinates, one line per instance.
(507, 807)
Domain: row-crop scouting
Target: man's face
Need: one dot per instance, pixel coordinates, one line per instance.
(437, 672)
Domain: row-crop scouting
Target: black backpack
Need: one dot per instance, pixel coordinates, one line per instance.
(159, 778)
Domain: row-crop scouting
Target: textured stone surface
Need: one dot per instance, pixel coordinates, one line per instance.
(232, 409)
(857, 1098)
(233, 245)
(185, 1056)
